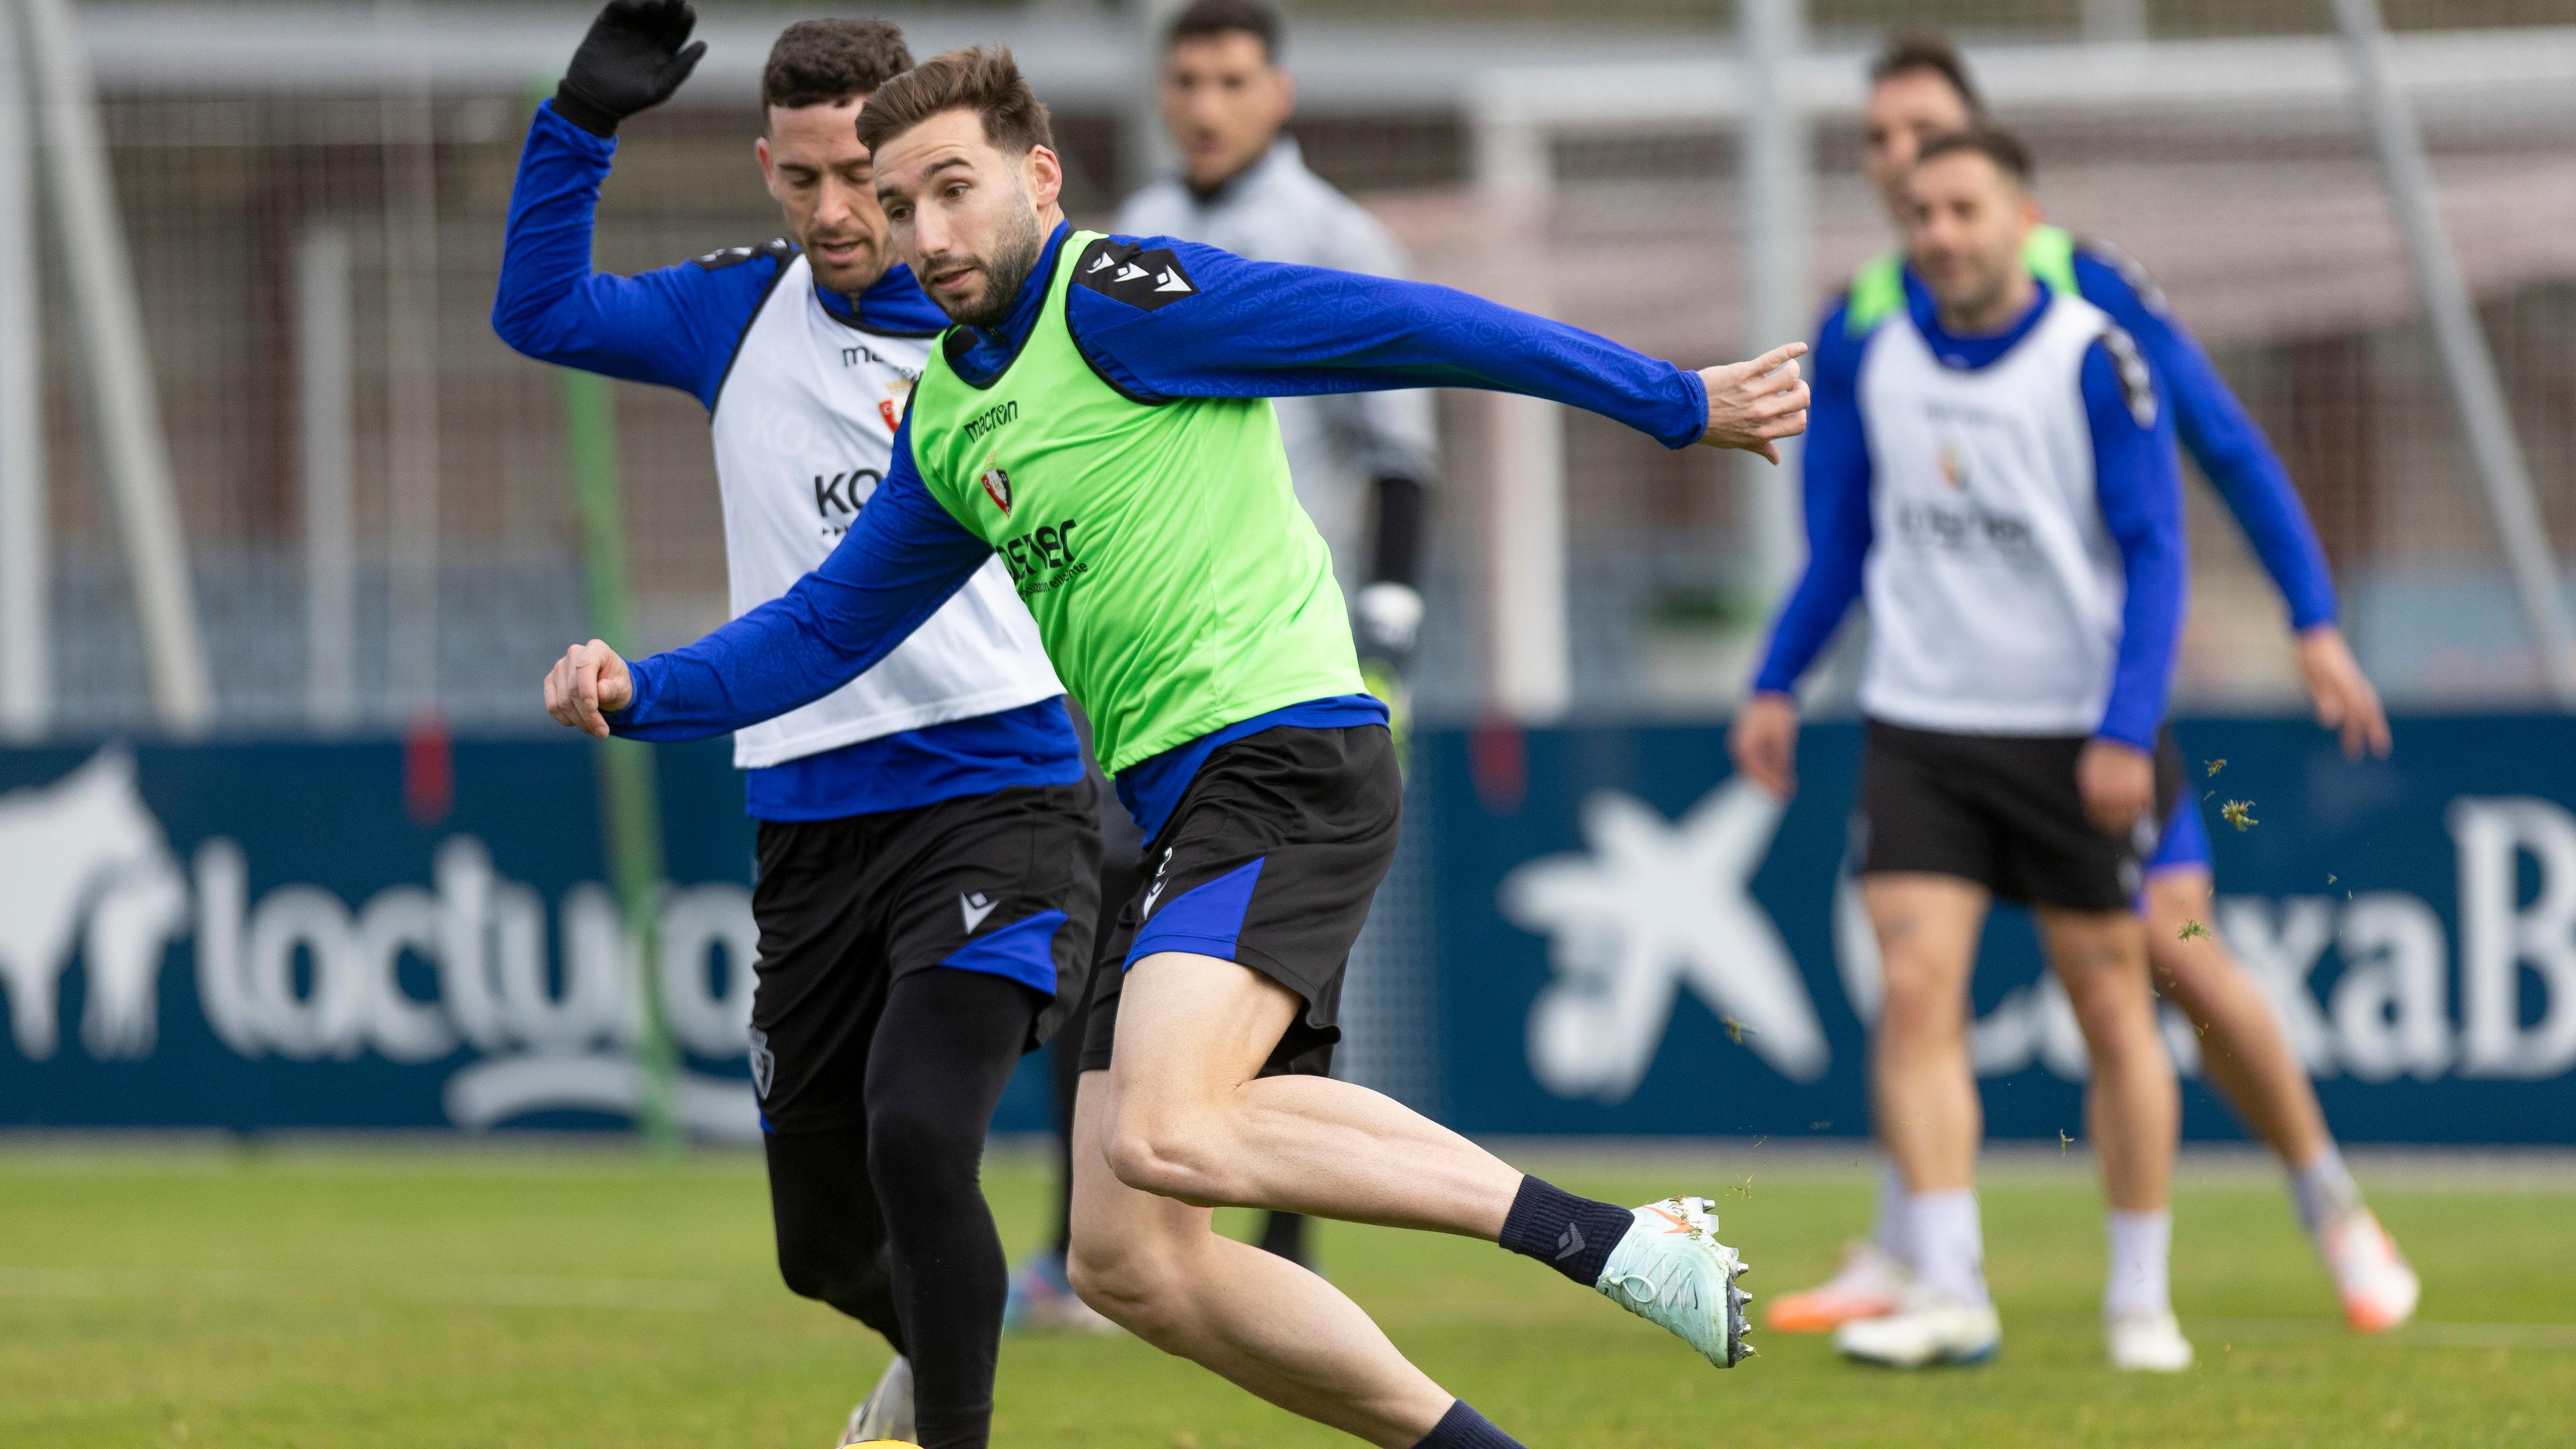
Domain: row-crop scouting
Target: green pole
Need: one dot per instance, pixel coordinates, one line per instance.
(630, 803)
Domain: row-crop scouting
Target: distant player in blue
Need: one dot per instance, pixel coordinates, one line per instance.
(1921, 88)
(1992, 469)
(928, 845)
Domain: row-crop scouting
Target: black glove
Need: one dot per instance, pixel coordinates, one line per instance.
(635, 55)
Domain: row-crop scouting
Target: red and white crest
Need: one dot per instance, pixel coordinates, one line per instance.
(997, 486)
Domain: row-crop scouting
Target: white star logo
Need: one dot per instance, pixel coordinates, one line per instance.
(1654, 906)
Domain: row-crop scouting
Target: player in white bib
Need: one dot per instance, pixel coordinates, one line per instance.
(1920, 87)
(1992, 469)
(929, 853)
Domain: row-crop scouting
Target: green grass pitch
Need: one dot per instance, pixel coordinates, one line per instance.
(445, 1298)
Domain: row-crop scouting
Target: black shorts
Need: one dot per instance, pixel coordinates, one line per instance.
(2001, 810)
(1269, 860)
(1007, 883)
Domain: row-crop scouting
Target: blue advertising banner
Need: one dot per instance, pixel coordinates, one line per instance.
(282, 936)
(1633, 942)
(1626, 941)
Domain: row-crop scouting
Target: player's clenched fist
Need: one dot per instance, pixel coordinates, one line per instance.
(586, 686)
(1751, 405)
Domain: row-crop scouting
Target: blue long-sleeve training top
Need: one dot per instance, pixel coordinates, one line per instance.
(1252, 329)
(679, 326)
(2134, 484)
(2216, 431)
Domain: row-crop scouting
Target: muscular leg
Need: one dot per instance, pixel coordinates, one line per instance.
(1160, 1269)
(1923, 1092)
(1194, 1123)
(2135, 1112)
(2241, 1047)
(942, 1053)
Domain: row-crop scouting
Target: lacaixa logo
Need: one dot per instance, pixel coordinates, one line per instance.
(997, 486)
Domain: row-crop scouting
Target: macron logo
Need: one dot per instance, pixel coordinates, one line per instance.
(1099, 263)
(1569, 1242)
(1171, 281)
(975, 907)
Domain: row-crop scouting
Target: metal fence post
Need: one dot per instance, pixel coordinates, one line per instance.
(26, 574)
(1779, 239)
(133, 451)
(2466, 362)
(325, 315)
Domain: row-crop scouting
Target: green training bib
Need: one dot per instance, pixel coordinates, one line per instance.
(1878, 288)
(1177, 584)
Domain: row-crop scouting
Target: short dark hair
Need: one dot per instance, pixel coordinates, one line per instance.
(1203, 19)
(1909, 51)
(826, 62)
(983, 79)
(2000, 146)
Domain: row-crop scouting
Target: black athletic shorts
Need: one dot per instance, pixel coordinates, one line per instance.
(2003, 811)
(1270, 860)
(1007, 882)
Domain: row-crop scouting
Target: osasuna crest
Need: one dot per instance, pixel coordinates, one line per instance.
(764, 1063)
(997, 486)
(898, 397)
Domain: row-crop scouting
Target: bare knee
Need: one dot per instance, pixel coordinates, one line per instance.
(2114, 1010)
(1172, 1152)
(1925, 999)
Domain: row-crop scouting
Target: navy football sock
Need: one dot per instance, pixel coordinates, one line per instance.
(1573, 1235)
(1464, 1428)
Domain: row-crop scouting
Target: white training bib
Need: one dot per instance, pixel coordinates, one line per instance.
(804, 428)
(1994, 586)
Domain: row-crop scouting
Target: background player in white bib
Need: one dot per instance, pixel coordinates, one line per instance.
(1921, 88)
(1995, 473)
(929, 858)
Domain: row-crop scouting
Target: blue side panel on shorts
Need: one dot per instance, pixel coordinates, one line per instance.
(2186, 842)
(1204, 921)
(1023, 951)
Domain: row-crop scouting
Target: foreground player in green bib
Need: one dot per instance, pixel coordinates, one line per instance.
(1100, 418)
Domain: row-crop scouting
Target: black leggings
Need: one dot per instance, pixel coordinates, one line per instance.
(886, 1221)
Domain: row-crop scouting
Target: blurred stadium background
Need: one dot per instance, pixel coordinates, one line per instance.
(277, 584)
(371, 538)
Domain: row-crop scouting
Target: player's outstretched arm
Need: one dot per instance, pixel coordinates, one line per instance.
(901, 560)
(2250, 478)
(672, 327)
(1166, 318)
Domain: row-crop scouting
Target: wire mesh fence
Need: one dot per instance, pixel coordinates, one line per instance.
(268, 230)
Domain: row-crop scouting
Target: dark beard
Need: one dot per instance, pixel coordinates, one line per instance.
(1014, 257)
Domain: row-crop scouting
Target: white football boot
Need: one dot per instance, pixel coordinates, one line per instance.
(2146, 1340)
(1670, 1269)
(886, 1413)
(1871, 1284)
(1928, 1330)
(2378, 1287)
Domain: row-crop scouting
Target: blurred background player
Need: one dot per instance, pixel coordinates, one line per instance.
(1991, 467)
(1920, 88)
(927, 853)
(1360, 461)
